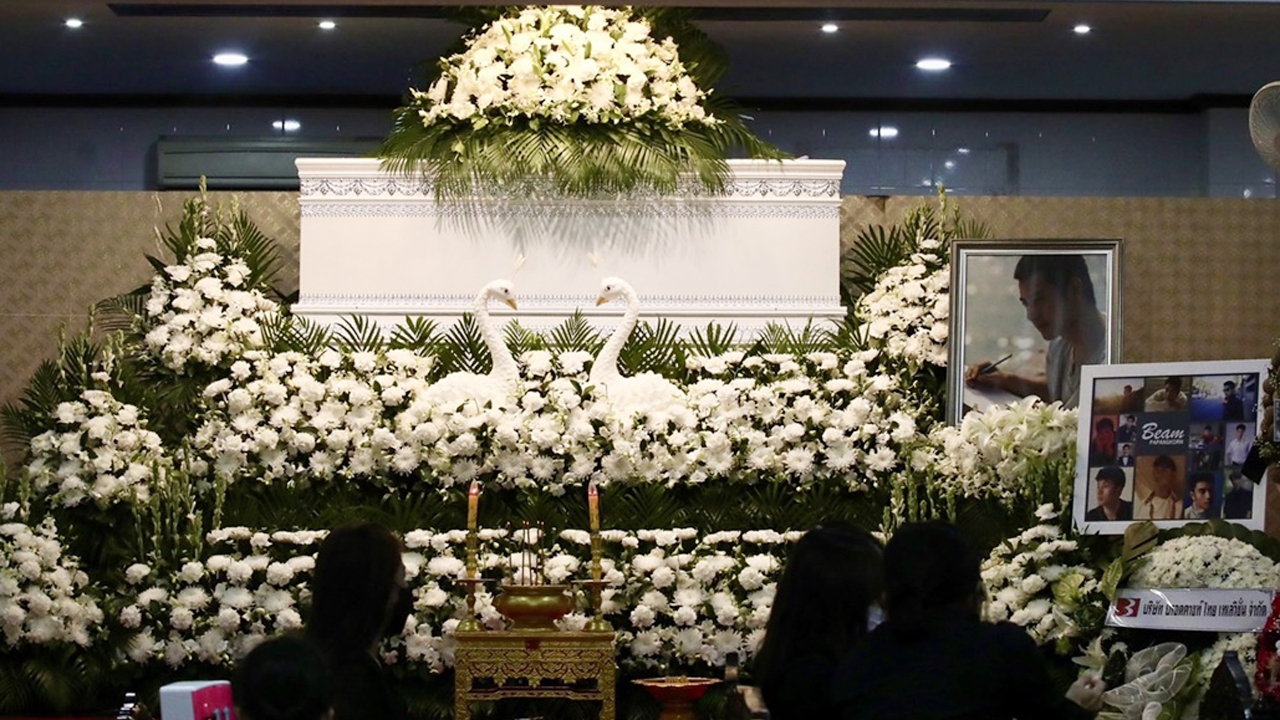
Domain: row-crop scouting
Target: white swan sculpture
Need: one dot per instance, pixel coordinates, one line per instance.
(499, 385)
(638, 392)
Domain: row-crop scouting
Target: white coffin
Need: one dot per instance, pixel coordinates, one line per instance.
(379, 245)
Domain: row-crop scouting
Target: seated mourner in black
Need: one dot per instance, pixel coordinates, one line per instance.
(358, 597)
(934, 659)
(832, 580)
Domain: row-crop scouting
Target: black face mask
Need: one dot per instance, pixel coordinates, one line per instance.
(400, 612)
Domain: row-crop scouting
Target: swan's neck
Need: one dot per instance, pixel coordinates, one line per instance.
(606, 364)
(504, 366)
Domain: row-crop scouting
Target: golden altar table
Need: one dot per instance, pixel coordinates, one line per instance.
(493, 665)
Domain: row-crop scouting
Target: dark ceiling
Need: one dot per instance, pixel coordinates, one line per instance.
(1145, 52)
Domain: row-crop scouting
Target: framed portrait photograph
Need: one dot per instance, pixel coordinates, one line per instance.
(1026, 315)
(1166, 442)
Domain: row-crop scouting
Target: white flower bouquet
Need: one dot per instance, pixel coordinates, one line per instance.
(775, 418)
(573, 100)
(215, 609)
(99, 449)
(1025, 449)
(1205, 561)
(1039, 580)
(202, 310)
(907, 313)
(565, 63)
(45, 599)
(288, 416)
(674, 598)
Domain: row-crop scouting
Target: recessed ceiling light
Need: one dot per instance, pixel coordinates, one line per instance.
(830, 28)
(327, 24)
(884, 131)
(74, 23)
(933, 64)
(1081, 29)
(230, 59)
(287, 125)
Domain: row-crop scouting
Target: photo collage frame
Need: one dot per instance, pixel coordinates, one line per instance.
(1166, 442)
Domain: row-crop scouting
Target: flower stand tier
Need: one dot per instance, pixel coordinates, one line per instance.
(380, 245)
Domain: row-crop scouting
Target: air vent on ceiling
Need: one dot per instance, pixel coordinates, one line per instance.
(244, 163)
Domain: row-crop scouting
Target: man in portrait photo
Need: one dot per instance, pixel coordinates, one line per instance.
(1201, 507)
(1160, 498)
(1168, 398)
(1238, 449)
(1128, 431)
(1102, 449)
(1108, 485)
(1059, 300)
(1130, 401)
(1208, 449)
(1232, 404)
(1237, 503)
(1126, 456)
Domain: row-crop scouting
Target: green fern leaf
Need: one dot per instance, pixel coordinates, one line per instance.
(714, 339)
(358, 333)
(417, 334)
(575, 334)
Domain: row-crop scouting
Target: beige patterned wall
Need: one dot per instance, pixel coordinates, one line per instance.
(1201, 278)
(1200, 275)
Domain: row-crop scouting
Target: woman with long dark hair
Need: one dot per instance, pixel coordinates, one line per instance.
(820, 613)
(934, 658)
(358, 596)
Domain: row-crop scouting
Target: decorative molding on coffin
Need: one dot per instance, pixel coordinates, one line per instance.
(748, 322)
(790, 211)
(652, 304)
(362, 179)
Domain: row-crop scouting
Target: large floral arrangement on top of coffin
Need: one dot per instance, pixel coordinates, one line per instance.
(576, 101)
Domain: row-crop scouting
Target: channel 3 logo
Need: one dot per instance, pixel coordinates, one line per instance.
(1127, 607)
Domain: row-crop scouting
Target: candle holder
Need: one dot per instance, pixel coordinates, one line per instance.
(597, 623)
(469, 623)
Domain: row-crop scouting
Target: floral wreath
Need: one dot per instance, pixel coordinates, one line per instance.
(578, 101)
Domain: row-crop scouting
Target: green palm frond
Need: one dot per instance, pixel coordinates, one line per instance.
(637, 507)
(54, 382)
(122, 312)
(575, 333)
(778, 338)
(714, 339)
(970, 229)
(575, 160)
(654, 349)
(876, 249)
(520, 341)
(16, 690)
(242, 237)
(704, 59)
(290, 333)
(464, 349)
(849, 335)
(358, 333)
(418, 334)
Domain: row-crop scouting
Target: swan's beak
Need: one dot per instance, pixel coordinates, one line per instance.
(601, 300)
(512, 303)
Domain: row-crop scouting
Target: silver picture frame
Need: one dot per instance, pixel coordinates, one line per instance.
(990, 324)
